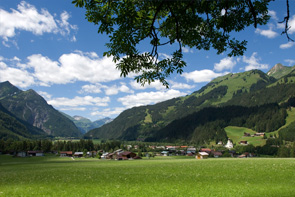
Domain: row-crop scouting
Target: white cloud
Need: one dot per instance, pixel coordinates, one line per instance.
(253, 62)
(73, 67)
(291, 62)
(269, 33)
(27, 18)
(18, 77)
(176, 85)
(108, 112)
(146, 98)
(273, 15)
(156, 85)
(45, 95)
(79, 101)
(187, 50)
(287, 45)
(109, 90)
(112, 90)
(226, 63)
(199, 76)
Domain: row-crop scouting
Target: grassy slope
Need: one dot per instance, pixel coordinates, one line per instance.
(53, 176)
(237, 133)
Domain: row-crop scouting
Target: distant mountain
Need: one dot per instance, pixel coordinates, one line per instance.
(32, 108)
(85, 125)
(279, 71)
(143, 122)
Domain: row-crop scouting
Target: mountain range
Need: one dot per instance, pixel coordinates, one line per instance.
(252, 99)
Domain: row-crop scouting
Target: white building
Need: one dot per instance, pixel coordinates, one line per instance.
(229, 144)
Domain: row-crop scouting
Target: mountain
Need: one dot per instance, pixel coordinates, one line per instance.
(144, 121)
(279, 71)
(85, 125)
(14, 128)
(33, 109)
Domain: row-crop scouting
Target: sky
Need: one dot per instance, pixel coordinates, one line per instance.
(50, 47)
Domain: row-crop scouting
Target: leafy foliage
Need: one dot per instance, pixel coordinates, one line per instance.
(195, 24)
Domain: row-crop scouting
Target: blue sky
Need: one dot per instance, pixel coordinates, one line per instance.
(50, 47)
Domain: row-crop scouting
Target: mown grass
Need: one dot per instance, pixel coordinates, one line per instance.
(52, 176)
(236, 134)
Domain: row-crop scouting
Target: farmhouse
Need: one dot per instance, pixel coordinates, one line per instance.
(21, 154)
(78, 154)
(127, 155)
(206, 150)
(243, 142)
(165, 153)
(66, 153)
(217, 154)
(35, 153)
(191, 150)
(259, 134)
(202, 155)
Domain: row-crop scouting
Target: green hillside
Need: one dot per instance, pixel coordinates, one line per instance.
(141, 121)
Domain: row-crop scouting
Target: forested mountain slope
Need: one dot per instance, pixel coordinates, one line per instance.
(32, 108)
(145, 121)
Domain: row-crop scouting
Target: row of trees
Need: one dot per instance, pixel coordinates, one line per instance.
(48, 145)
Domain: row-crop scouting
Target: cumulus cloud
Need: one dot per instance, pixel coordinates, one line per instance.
(187, 50)
(199, 76)
(16, 76)
(287, 45)
(146, 98)
(79, 101)
(253, 62)
(269, 33)
(73, 67)
(28, 18)
(108, 112)
(226, 63)
(290, 61)
(109, 90)
(273, 15)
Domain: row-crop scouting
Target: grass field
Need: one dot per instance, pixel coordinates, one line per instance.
(182, 176)
(236, 134)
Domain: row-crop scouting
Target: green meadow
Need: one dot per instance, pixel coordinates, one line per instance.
(160, 176)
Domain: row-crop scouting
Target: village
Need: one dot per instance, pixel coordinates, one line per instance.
(130, 152)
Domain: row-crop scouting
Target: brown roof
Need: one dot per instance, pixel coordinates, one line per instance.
(66, 152)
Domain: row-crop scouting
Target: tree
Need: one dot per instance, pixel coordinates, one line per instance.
(200, 24)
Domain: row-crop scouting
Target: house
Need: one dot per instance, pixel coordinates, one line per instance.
(220, 143)
(127, 155)
(35, 153)
(202, 155)
(191, 150)
(66, 153)
(207, 150)
(243, 142)
(259, 134)
(229, 144)
(247, 134)
(21, 154)
(78, 154)
(91, 153)
(217, 154)
(165, 153)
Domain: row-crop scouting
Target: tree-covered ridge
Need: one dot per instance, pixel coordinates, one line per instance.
(208, 124)
(220, 90)
(33, 109)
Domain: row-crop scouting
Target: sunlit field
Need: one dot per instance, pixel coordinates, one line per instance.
(160, 176)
